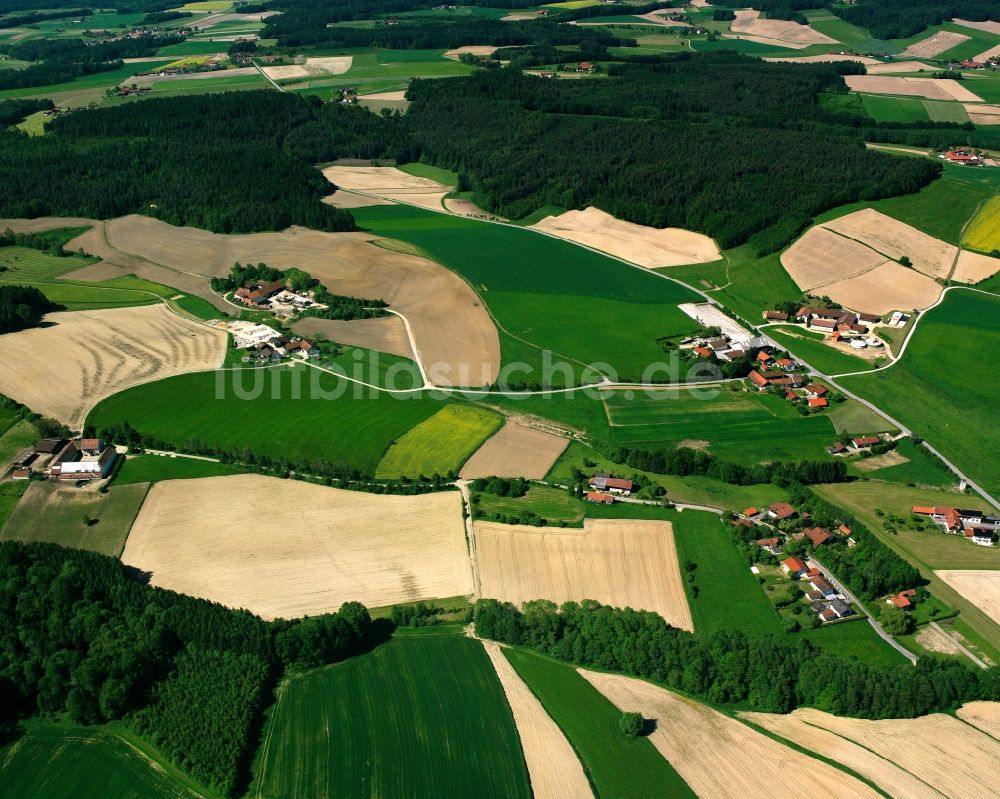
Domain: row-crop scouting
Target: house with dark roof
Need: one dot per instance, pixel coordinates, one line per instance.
(836, 448)
(775, 316)
(820, 584)
(818, 536)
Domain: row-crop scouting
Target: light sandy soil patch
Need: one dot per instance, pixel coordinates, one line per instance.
(897, 66)
(911, 87)
(986, 56)
(984, 715)
(390, 184)
(821, 257)
(983, 114)
(824, 59)
(764, 40)
(981, 588)
(515, 451)
(217, 19)
(656, 18)
(958, 760)
(935, 44)
(519, 16)
(449, 323)
(383, 334)
(312, 68)
(624, 563)
(471, 49)
(400, 95)
(721, 757)
(149, 80)
(348, 199)
(777, 31)
(877, 462)
(289, 548)
(646, 246)
(888, 776)
(895, 239)
(885, 288)
(973, 267)
(84, 356)
(463, 207)
(933, 640)
(553, 766)
(989, 27)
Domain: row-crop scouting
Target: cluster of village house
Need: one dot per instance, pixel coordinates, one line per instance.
(80, 459)
(974, 525)
(849, 327)
(604, 490)
(276, 298)
(963, 158)
(267, 343)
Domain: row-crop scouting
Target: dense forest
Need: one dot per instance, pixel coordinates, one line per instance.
(82, 634)
(22, 306)
(732, 667)
(14, 111)
(16, 20)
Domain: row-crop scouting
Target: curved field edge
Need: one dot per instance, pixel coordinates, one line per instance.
(940, 389)
(422, 715)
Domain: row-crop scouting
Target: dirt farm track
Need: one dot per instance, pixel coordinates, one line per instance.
(289, 548)
(84, 356)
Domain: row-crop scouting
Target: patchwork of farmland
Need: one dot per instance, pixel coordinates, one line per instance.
(420, 716)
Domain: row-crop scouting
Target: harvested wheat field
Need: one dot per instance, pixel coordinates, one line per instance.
(625, 563)
(821, 257)
(389, 183)
(958, 760)
(933, 640)
(515, 451)
(828, 58)
(553, 766)
(897, 66)
(887, 775)
(983, 114)
(398, 95)
(472, 49)
(450, 326)
(993, 52)
(646, 246)
(720, 757)
(777, 31)
(989, 27)
(895, 239)
(984, 715)
(84, 356)
(348, 199)
(981, 588)
(929, 88)
(885, 288)
(935, 44)
(383, 334)
(44, 223)
(149, 80)
(312, 68)
(289, 548)
(463, 207)
(973, 267)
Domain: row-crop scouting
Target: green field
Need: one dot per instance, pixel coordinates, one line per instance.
(82, 518)
(853, 639)
(958, 417)
(851, 416)
(445, 176)
(941, 111)
(817, 354)
(755, 284)
(421, 716)
(922, 468)
(729, 597)
(153, 468)
(927, 549)
(440, 444)
(554, 504)
(56, 761)
(617, 766)
(16, 438)
(380, 70)
(883, 108)
(10, 494)
(296, 413)
(554, 294)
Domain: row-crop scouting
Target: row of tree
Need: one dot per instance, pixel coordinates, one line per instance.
(729, 666)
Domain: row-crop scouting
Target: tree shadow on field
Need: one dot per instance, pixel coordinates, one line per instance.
(648, 728)
(139, 575)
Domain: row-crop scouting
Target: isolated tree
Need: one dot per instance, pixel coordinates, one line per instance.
(895, 621)
(631, 724)
(905, 261)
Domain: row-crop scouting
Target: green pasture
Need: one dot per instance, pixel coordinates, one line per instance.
(885, 108)
(59, 761)
(692, 490)
(853, 639)
(172, 88)
(192, 47)
(16, 438)
(196, 307)
(554, 504)
(836, 28)
(153, 468)
(444, 176)
(421, 715)
(82, 518)
(10, 494)
(755, 284)
(941, 111)
(554, 294)
(440, 444)
(617, 766)
(381, 70)
(817, 354)
(24, 265)
(292, 412)
(984, 84)
(98, 80)
(922, 468)
(957, 416)
(729, 597)
(851, 417)
(378, 368)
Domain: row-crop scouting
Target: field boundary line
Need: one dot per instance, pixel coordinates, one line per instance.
(964, 649)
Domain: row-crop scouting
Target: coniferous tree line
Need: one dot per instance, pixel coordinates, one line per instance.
(22, 306)
(729, 667)
(17, 20)
(81, 634)
(14, 111)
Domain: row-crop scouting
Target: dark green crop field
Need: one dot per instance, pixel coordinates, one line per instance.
(297, 413)
(935, 391)
(421, 716)
(556, 295)
(617, 766)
